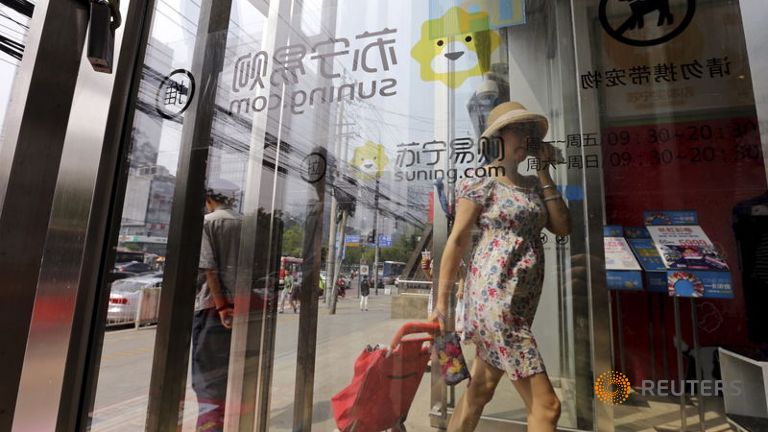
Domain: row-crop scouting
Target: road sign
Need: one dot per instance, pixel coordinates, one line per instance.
(384, 241)
(352, 240)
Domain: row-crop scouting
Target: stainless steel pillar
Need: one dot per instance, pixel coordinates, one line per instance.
(39, 117)
(31, 156)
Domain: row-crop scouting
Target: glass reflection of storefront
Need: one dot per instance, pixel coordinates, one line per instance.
(274, 194)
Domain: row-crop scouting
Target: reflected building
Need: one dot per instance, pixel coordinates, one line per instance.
(149, 187)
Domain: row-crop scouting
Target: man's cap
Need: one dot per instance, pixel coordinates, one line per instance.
(219, 187)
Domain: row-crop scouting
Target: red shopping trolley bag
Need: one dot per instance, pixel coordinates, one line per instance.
(384, 383)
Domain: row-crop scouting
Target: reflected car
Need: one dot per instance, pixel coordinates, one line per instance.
(134, 267)
(116, 275)
(263, 291)
(124, 297)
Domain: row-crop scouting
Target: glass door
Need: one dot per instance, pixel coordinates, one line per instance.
(189, 156)
(533, 65)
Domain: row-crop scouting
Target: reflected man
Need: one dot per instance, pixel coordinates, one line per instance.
(213, 304)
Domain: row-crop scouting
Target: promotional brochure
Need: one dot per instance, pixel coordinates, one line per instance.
(686, 248)
(622, 269)
(645, 250)
(694, 267)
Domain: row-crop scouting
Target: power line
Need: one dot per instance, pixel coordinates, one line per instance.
(18, 32)
(6, 61)
(11, 19)
(11, 47)
(23, 7)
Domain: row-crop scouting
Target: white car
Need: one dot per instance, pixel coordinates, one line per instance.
(124, 297)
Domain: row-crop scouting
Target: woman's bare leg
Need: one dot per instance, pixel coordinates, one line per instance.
(479, 392)
(541, 400)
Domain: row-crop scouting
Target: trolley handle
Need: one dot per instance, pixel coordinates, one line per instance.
(412, 328)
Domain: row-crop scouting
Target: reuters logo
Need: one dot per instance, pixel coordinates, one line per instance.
(612, 387)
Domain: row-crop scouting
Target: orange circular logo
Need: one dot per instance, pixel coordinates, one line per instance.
(612, 387)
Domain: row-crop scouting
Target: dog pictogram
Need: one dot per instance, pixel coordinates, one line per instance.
(627, 21)
(641, 8)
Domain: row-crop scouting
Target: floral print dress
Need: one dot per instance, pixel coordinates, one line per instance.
(504, 279)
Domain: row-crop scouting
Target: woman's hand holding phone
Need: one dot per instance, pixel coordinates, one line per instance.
(547, 155)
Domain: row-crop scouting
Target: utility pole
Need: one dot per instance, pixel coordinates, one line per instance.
(342, 142)
(331, 256)
(339, 257)
(360, 266)
(376, 238)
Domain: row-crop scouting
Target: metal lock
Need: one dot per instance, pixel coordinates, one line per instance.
(101, 36)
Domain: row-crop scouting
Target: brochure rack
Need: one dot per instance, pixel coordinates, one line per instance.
(655, 281)
(671, 254)
(686, 264)
(622, 273)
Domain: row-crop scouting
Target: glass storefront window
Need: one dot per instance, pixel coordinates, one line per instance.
(667, 95)
(138, 257)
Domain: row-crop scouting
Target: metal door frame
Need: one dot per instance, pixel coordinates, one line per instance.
(753, 15)
(59, 149)
(36, 126)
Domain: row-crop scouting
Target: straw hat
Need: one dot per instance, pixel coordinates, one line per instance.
(508, 113)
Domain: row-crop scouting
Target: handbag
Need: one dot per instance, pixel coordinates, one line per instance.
(453, 366)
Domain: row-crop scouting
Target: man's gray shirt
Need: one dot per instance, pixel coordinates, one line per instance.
(218, 251)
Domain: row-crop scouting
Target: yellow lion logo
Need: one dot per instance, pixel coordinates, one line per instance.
(468, 47)
(370, 159)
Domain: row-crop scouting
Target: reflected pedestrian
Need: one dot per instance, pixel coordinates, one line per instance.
(321, 286)
(294, 293)
(365, 290)
(285, 293)
(211, 331)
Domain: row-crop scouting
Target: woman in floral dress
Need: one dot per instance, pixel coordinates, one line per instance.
(505, 276)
